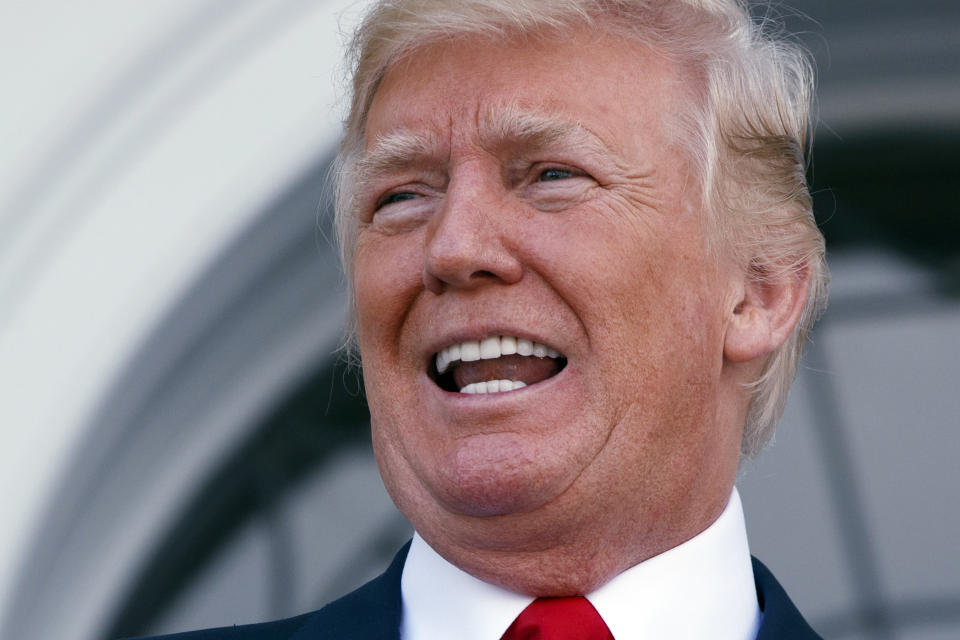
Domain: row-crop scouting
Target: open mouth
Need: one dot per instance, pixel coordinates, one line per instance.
(494, 365)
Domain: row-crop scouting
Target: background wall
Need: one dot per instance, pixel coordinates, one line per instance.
(180, 447)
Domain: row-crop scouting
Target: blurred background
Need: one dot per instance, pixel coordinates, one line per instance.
(180, 446)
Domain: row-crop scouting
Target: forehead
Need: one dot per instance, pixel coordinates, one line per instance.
(481, 89)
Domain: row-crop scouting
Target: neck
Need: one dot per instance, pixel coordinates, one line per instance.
(514, 553)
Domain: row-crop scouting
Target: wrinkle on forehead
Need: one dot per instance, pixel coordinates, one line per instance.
(497, 127)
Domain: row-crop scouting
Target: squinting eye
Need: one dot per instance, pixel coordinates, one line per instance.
(555, 174)
(396, 197)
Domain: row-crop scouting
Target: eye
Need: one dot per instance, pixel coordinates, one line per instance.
(392, 198)
(549, 175)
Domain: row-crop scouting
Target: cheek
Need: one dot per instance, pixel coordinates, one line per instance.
(648, 299)
(387, 276)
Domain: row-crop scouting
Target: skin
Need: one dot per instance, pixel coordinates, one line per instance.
(591, 242)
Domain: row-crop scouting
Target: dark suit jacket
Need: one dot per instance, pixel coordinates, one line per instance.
(373, 611)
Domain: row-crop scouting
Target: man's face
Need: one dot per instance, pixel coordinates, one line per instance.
(533, 191)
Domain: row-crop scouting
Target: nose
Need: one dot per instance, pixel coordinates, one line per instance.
(467, 245)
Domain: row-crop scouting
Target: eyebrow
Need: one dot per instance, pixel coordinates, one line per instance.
(514, 125)
(498, 126)
(395, 150)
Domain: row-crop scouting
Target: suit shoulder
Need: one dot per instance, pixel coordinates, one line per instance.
(276, 629)
(781, 618)
(372, 612)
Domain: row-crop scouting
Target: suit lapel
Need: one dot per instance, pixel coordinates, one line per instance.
(781, 619)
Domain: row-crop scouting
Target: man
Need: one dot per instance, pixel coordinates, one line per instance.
(583, 264)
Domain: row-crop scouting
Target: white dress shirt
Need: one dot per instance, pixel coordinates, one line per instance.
(702, 588)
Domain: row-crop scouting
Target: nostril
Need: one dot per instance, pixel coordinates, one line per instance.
(432, 283)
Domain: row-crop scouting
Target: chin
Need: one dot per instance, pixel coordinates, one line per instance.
(481, 498)
(499, 476)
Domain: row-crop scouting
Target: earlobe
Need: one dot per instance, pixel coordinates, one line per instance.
(767, 310)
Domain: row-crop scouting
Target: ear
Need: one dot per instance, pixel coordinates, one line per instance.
(765, 313)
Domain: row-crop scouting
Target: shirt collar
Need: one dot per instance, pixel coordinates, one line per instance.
(702, 588)
(442, 601)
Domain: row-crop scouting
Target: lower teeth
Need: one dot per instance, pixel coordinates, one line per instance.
(493, 386)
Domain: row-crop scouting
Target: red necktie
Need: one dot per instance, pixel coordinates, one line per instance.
(558, 619)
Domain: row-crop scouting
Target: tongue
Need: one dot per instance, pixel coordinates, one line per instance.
(528, 369)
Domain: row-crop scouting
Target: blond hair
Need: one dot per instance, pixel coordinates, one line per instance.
(745, 132)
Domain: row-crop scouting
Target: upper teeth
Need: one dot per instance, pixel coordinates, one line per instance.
(490, 348)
